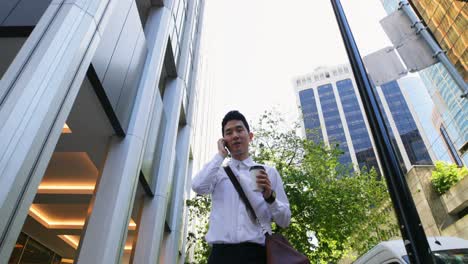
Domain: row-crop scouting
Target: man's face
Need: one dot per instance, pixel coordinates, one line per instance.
(237, 138)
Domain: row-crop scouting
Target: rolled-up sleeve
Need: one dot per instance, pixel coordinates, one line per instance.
(205, 180)
(280, 207)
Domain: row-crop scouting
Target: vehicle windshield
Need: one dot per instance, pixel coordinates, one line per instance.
(451, 256)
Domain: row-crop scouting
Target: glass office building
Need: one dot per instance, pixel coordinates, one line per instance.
(405, 124)
(330, 103)
(97, 107)
(451, 109)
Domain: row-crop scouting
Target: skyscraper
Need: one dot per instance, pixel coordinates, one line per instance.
(446, 20)
(330, 103)
(97, 102)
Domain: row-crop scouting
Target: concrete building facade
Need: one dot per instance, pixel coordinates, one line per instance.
(97, 99)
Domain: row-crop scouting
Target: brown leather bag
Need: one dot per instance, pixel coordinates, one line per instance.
(278, 249)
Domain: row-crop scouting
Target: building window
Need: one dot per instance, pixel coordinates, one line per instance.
(332, 120)
(310, 114)
(453, 152)
(28, 250)
(69, 183)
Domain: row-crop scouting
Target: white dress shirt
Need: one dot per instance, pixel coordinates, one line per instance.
(229, 219)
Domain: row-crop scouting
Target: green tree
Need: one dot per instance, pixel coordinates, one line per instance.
(446, 175)
(198, 209)
(348, 211)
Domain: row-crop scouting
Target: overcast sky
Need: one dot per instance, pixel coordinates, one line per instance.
(254, 48)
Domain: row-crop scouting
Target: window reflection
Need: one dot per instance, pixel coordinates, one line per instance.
(30, 251)
(18, 250)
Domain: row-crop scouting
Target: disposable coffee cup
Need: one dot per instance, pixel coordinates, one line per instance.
(254, 171)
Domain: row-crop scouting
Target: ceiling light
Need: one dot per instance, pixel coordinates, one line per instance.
(66, 189)
(71, 240)
(66, 129)
(42, 218)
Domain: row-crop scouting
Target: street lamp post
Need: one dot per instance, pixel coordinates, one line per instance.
(409, 222)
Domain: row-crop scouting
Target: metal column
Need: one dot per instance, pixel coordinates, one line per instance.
(409, 222)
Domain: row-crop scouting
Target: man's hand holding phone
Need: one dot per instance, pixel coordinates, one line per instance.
(222, 148)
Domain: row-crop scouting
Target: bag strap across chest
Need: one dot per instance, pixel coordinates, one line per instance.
(242, 195)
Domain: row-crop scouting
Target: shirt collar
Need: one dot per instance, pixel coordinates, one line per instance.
(248, 162)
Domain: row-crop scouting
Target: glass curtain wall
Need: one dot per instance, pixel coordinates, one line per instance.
(310, 114)
(333, 121)
(357, 128)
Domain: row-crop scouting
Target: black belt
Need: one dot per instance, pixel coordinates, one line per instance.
(238, 245)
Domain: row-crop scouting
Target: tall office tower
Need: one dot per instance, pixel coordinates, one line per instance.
(330, 103)
(447, 22)
(97, 102)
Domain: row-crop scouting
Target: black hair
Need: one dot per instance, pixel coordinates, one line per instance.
(234, 115)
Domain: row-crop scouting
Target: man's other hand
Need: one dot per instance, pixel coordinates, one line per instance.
(264, 182)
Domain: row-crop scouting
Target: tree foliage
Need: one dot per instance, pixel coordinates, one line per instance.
(348, 211)
(446, 175)
(198, 209)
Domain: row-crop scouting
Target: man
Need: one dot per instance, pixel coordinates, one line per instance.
(236, 237)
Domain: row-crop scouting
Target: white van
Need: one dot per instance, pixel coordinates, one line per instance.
(445, 249)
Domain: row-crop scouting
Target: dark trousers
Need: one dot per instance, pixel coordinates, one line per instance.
(243, 253)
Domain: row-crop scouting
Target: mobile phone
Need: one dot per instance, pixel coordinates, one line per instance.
(226, 146)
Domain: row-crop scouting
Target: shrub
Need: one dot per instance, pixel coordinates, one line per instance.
(446, 175)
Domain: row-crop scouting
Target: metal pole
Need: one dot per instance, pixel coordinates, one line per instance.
(438, 52)
(409, 222)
